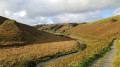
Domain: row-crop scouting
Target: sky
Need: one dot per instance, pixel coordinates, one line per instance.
(34, 12)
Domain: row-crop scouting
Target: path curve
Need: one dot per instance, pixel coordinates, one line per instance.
(55, 59)
(105, 60)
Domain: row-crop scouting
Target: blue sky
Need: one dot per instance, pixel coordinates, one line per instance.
(48, 19)
(106, 13)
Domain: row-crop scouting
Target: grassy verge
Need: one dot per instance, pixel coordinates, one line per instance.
(101, 60)
(92, 58)
(116, 60)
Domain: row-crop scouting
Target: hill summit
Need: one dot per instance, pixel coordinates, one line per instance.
(12, 32)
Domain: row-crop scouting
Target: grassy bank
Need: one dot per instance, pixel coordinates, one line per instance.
(96, 46)
(32, 63)
(31, 54)
(92, 58)
(116, 60)
(48, 46)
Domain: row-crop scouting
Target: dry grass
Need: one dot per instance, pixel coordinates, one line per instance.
(49, 46)
(2, 19)
(116, 60)
(97, 35)
(12, 32)
(94, 45)
(105, 27)
(14, 50)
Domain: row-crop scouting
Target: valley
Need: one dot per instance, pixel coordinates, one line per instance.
(25, 46)
(59, 33)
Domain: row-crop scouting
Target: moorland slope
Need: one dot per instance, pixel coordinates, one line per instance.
(12, 32)
(98, 36)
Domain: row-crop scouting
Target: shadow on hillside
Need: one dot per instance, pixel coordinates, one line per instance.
(13, 45)
(49, 37)
(44, 38)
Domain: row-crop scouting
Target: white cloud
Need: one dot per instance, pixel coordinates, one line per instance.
(60, 11)
(81, 17)
(22, 13)
(55, 7)
(30, 21)
(8, 7)
(50, 22)
(63, 18)
(116, 12)
(18, 15)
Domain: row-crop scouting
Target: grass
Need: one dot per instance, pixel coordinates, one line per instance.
(57, 27)
(101, 60)
(24, 46)
(2, 19)
(12, 32)
(41, 50)
(116, 60)
(95, 48)
(97, 35)
(105, 27)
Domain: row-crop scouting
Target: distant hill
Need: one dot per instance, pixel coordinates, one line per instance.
(57, 27)
(12, 32)
(106, 27)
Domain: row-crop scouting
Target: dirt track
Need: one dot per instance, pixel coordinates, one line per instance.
(105, 60)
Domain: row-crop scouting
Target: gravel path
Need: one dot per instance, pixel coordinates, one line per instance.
(105, 60)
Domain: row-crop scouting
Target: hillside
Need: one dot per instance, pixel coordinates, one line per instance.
(106, 27)
(2, 19)
(62, 27)
(12, 32)
(24, 46)
(98, 36)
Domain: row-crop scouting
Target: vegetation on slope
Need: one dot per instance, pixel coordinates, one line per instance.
(57, 27)
(50, 46)
(97, 35)
(25, 53)
(116, 60)
(2, 19)
(12, 32)
(106, 27)
(95, 48)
